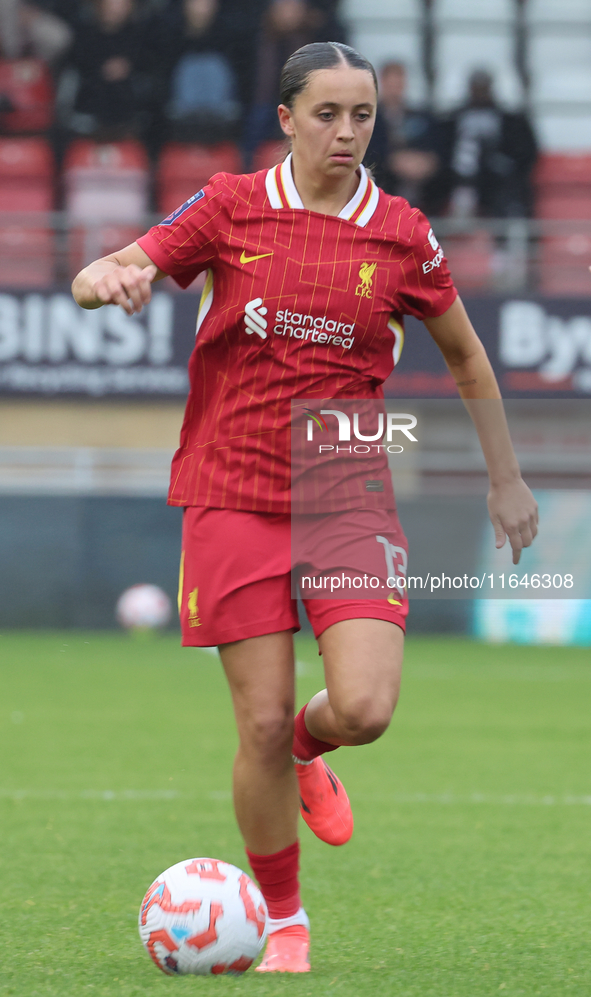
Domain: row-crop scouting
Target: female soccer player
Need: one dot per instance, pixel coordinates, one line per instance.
(310, 269)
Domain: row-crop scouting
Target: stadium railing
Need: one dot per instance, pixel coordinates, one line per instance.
(548, 256)
(553, 445)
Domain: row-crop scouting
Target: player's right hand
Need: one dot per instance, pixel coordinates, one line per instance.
(130, 287)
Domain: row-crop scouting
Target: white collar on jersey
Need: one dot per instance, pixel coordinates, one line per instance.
(282, 193)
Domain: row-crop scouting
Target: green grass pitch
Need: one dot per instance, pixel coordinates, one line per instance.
(468, 873)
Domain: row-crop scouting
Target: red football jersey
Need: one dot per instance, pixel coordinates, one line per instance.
(296, 304)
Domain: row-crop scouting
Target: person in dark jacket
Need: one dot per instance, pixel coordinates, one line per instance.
(490, 154)
(192, 45)
(286, 25)
(107, 73)
(405, 151)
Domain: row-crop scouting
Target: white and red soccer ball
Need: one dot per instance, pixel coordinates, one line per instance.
(203, 916)
(143, 607)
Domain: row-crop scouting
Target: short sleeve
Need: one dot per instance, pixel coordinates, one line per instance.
(426, 289)
(185, 243)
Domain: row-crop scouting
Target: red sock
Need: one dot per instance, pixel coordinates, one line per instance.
(306, 747)
(277, 876)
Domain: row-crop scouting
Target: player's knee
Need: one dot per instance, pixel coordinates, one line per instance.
(269, 736)
(364, 721)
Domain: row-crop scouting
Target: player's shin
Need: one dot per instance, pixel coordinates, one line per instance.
(306, 747)
(277, 876)
(324, 804)
(289, 937)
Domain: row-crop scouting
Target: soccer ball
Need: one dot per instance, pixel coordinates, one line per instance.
(143, 607)
(203, 916)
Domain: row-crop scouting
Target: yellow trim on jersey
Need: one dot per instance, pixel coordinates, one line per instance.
(398, 333)
(272, 188)
(206, 300)
(291, 192)
(350, 208)
(370, 207)
(181, 581)
(294, 201)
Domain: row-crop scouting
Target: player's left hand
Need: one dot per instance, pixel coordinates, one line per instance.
(514, 513)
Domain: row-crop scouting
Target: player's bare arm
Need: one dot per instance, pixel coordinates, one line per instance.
(124, 278)
(511, 505)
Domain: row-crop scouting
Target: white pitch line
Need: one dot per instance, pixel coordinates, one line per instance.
(510, 799)
(90, 794)
(446, 799)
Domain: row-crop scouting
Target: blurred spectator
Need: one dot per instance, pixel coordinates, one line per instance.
(28, 30)
(201, 101)
(106, 91)
(286, 26)
(242, 24)
(68, 10)
(406, 146)
(490, 155)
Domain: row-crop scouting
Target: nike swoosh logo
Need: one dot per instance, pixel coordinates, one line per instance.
(249, 259)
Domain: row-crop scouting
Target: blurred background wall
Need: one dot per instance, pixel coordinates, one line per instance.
(114, 112)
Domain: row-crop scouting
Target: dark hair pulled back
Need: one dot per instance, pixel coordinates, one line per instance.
(318, 55)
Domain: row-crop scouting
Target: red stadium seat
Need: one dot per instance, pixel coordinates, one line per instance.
(563, 185)
(26, 187)
(471, 259)
(556, 170)
(184, 169)
(101, 158)
(88, 243)
(22, 158)
(106, 197)
(26, 174)
(563, 265)
(26, 257)
(25, 197)
(197, 162)
(269, 154)
(564, 204)
(106, 182)
(27, 85)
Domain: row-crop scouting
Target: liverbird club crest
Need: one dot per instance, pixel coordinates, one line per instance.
(366, 272)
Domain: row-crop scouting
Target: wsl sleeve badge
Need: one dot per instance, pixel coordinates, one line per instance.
(179, 211)
(201, 917)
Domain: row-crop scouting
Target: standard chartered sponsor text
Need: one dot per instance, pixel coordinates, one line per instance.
(318, 329)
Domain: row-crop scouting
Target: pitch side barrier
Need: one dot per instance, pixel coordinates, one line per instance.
(352, 459)
(540, 347)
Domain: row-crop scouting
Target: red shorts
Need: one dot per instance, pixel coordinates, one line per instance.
(236, 572)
